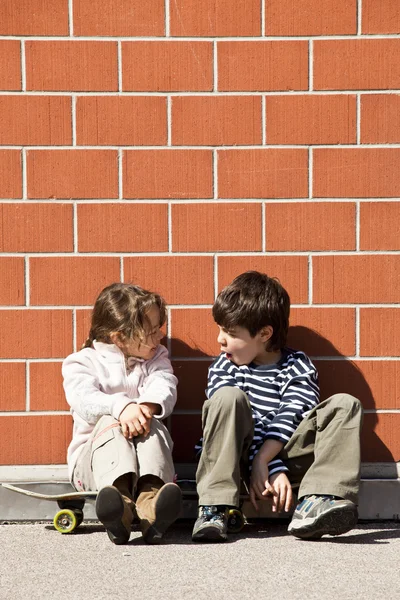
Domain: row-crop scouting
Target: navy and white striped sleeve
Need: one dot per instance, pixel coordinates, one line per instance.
(220, 374)
(299, 394)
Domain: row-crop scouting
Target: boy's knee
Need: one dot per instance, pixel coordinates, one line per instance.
(228, 397)
(346, 402)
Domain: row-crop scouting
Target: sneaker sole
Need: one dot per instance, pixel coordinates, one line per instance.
(168, 507)
(337, 521)
(110, 510)
(209, 534)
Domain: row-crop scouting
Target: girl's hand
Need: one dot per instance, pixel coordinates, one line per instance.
(283, 498)
(135, 420)
(153, 407)
(260, 486)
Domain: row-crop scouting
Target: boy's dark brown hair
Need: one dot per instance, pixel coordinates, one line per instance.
(253, 300)
(123, 308)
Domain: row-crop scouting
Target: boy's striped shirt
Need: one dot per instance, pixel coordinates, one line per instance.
(280, 395)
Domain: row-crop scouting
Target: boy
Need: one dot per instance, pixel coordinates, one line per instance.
(263, 418)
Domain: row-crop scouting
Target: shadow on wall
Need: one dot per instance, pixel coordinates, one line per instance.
(338, 376)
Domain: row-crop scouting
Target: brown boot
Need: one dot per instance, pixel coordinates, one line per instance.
(114, 511)
(158, 505)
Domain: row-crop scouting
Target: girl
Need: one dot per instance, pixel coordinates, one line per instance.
(119, 387)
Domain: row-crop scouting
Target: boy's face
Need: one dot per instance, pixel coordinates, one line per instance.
(241, 348)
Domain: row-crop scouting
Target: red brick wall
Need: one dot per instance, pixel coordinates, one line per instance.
(176, 144)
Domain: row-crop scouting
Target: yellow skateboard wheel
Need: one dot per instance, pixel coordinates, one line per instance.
(65, 521)
(235, 520)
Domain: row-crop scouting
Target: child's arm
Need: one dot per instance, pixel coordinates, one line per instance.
(83, 393)
(159, 388)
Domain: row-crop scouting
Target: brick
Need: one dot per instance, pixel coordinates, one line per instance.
(82, 325)
(380, 119)
(292, 272)
(125, 121)
(356, 172)
(167, 66)
(46, 443)
(70, 280)
(193, 333)
(135, 228)
(380, 439)
(352, 64)
(259, 173)
(380, 331)
(118, 17)
(10, 65)
(262, 66)
(167, 174)
(212, 227)
(215, 18)
(36, 227)
(310, 17)
(46, 390)
(72, 173)
(12, 387)
(34, 120)
(10, 174)
(375, 382)
(377, 225)
(179, 279)
(327, 119)
(380, 17)
(74, 66)
(186, 432)
(356, 279)
(304, 226)
(192, 382)
(35, 333)
(12, 281)
(323, 331)
(34, 17)
(216, 121)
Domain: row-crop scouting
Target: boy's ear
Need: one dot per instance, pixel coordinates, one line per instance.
(266, 333)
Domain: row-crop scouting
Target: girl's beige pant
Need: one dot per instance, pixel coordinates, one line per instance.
(108, 455)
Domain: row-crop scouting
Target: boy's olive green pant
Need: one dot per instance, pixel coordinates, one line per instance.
(323, 455)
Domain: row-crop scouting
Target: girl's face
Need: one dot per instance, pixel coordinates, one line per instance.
(147, 347)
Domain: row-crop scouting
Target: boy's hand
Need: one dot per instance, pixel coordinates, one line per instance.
(135, 420)
(260, 486)
(283, 498)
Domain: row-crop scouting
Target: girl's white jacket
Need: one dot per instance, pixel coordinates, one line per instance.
(97, 383)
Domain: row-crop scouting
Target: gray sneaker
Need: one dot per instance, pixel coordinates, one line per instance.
(211, 525)
(316, 516)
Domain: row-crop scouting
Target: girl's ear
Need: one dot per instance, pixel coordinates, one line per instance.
(266, 333)
(116, 338)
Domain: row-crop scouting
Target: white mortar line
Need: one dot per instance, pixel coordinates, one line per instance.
(119, 63)
(357, 331)
(170, 228)
(359, 17)
(310, 65)
(215, 174)
(169, 329)
(215, 67)
(358, 225)
(215, 260)
(24, 175)
(264, 120)
(121, 269)
(73, 118)
(27, 282)
(199, 148)
(358, 118)
(222, 39)
(263, 23)
(251, 93)
(167, 19)
(23, 67)
(120, 174)
(70, 18)
(74, 340)
(310, 173)
(75, 226)
(264, 228)
(169, 120)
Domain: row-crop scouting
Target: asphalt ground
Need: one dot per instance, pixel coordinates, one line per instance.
(263, 561)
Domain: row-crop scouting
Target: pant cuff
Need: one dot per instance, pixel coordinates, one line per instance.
(336, 490)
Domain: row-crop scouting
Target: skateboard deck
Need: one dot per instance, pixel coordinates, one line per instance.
(54, 497)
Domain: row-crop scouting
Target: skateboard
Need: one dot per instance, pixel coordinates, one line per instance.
(70, 515)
